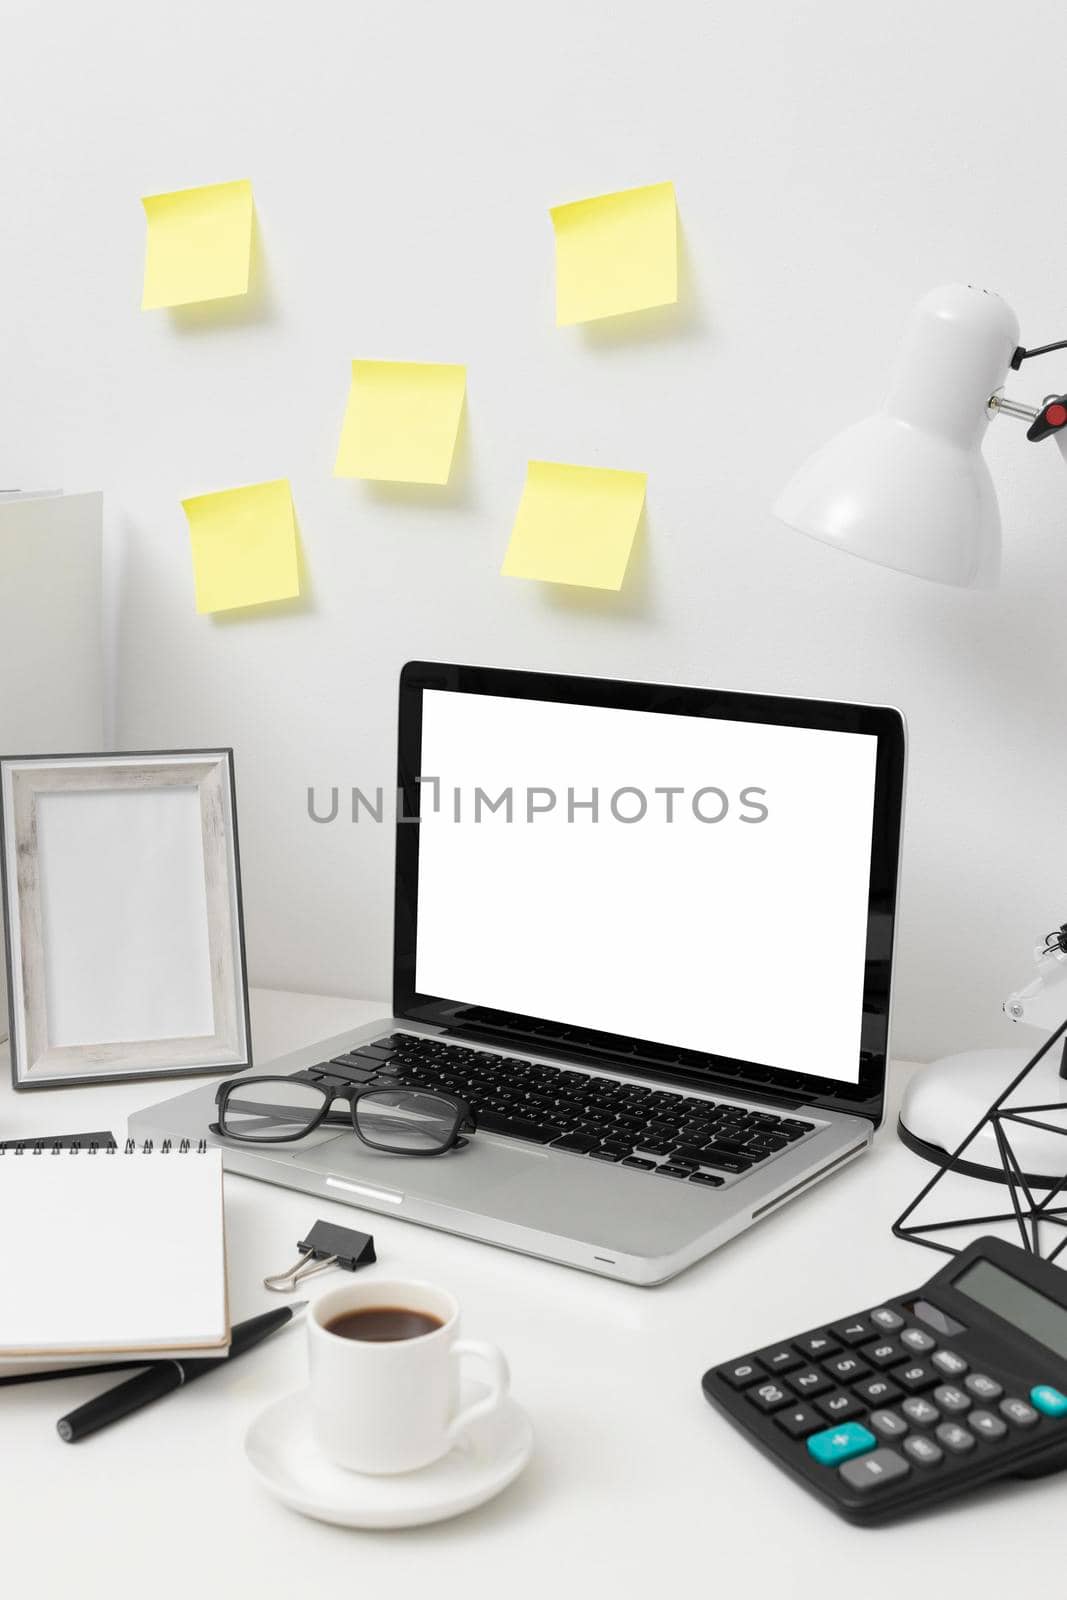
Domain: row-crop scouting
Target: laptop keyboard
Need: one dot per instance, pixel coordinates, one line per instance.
(657, 1131)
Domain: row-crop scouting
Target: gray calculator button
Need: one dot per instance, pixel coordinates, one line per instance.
(952, 1399)
(986, 1425)
(948, 1362)
(870, 1472)
(1017, 1411)
(884, 1318)
(922, 1449)
(940, 1321)
(920, 1411)
(916, 1339)
(888, 1424)
(983, 1388)
(955, 1437)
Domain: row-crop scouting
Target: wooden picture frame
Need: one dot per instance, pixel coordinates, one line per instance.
(123, 919)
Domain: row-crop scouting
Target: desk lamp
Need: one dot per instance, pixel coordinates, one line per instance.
(909, 488)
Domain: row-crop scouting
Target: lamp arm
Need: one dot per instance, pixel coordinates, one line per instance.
(1040, 1002)
(1045, 420)
(1001, 406)
(1022, 354)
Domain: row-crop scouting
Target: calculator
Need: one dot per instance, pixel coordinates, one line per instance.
(924, 1396)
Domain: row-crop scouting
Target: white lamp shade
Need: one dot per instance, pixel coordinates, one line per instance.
(893, 494)
(909, 488)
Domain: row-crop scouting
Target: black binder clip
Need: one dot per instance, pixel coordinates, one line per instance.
(329, 1246)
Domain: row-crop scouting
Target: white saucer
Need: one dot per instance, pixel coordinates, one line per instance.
(287, 1461)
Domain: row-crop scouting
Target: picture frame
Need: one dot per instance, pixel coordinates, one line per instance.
(3, 987)
(123, 920)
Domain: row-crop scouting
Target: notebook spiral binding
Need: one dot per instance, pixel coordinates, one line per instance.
(103, 1144)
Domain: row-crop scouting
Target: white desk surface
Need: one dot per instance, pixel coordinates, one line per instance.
(636, 1486)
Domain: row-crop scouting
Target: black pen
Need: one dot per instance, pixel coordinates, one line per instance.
(164, 1376)
(52, 1374)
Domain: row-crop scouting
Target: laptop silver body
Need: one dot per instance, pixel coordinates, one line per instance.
(627, 1223)
(531, 1198)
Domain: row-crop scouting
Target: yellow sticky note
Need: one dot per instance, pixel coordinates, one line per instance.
(199, 244)
(244, 546)
(401, 421)
(575, 525)
(616, 253)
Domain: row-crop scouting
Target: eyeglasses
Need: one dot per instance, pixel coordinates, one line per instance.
(404, 1122)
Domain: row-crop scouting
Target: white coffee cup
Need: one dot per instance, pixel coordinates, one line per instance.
(393, 1406)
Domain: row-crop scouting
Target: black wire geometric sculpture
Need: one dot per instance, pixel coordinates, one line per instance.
(1027, 1212)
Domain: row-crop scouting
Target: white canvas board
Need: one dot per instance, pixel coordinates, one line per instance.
(124, 913)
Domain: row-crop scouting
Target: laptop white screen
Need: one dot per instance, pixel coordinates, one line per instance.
(691, 881)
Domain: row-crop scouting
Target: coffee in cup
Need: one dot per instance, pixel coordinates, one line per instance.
(385, 1362)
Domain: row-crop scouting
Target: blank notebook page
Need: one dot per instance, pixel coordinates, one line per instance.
(112, 1253)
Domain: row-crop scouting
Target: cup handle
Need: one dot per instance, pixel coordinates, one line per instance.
(499, 1379)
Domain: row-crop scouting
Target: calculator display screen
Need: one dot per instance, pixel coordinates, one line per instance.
(1025, 1308)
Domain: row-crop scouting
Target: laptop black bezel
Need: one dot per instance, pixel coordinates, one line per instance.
(642, 1057)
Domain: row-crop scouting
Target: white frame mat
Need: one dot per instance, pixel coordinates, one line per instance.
(122, 911)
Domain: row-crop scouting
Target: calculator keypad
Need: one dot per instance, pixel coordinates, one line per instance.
(921, 1448)
(799, 1421)
(884, 1353)
(956, 1437)
(817, 1346)
(878, 1391)
(889, 1424)
(837, 1445)
(780, 1359)
(809, 1382)
(1048, 1400)
(986, 1425)
(875, 1470)
(742, 1373)
(983, 1387)
(1017, 1411)
(915, 1377)
(952, 1401)
(889, 1321)
(855, 1332)
(840, 1405)
(847, 1368)
(768, 1396)
(876, 1397)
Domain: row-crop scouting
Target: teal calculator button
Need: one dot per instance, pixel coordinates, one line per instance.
(835, 1445)
(1047, 1400)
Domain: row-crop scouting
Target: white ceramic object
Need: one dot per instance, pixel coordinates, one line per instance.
(282, 1452)
(394, 1406)
(946, 1099)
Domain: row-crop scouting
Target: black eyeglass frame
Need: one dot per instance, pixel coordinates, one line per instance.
(463, 1121)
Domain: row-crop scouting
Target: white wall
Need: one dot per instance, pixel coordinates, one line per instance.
(832, 162)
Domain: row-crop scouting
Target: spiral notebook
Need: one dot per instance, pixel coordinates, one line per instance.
(111, 1254)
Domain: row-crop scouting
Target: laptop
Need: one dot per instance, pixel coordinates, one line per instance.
(646, 933)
